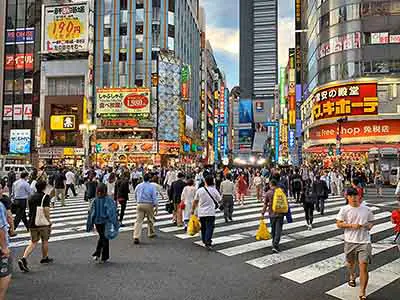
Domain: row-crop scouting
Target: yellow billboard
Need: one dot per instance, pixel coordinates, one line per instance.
(62, 122)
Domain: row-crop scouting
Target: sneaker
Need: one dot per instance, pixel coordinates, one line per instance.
(95, 258)
(230, 219)
(136, 241)
(46, 260)
(275, 250)
(122, 225)
(209, 247)
(23, 265)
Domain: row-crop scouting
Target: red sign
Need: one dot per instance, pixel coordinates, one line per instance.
(135, 101)
(345, 100)
(352, 129)
(119, 123)
(19, 62)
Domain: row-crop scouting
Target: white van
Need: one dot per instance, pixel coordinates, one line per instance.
(394, 176)
(18, 169)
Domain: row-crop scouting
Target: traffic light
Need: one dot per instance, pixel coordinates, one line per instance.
(330, 150)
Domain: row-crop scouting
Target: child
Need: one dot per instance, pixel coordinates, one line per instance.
(396, 221)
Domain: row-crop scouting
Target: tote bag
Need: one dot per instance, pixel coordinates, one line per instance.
(40, 219)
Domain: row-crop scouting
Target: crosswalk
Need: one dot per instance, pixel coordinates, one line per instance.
(303, 256)
(306, 256)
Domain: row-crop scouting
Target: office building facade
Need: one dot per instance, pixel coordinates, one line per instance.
(351, 81)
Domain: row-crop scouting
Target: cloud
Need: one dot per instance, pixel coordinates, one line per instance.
(286, 39)
(224, 39)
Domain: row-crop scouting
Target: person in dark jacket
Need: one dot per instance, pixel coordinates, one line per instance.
(122, 192)
(174, 195)
(11, 178)
(321, 191)
(308, 199)
(91, 186)
(59, 185)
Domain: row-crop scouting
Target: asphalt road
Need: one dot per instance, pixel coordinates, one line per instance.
(175, 268)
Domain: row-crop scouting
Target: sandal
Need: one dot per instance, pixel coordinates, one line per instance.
(352, 283)
(363, 297)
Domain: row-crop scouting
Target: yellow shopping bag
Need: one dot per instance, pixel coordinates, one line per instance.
(262, 232)
(193, 226)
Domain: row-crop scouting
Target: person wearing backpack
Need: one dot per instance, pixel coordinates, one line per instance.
(320, 190)
(297, 185)
(308, 199)
(277, 205)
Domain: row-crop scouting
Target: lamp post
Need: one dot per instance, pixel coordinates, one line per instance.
(87, 130)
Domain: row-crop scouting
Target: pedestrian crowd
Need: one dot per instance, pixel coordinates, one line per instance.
(198, 192)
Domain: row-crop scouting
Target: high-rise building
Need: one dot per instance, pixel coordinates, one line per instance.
(350, 58)
(258, 76)
(258, 49)
(19, 69)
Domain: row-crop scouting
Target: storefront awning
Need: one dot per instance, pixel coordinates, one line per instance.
(353, 148)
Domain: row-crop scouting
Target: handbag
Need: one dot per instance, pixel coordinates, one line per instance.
(120, 200)
(217, 205)
(182, 205)
(40, 219)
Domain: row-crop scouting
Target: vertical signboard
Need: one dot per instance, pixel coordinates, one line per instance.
(292, 89)
(185, 82)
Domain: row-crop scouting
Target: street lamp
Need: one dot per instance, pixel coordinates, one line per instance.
(87, 130)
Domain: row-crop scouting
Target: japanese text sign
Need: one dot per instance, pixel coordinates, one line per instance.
(19, 62)
(20, 141)
(20, 36)
(62, 122)
(65, 28)
(345, 100)
(123, 101)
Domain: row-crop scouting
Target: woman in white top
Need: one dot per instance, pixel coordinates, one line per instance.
(188, 193)
(111, 185)
(207, 199)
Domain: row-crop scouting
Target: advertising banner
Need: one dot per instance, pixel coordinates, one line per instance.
(19, 62)
(119, 123)
(123, 101)
(246, 136)
(345, 100)
(62, 122)
(353, 129)
(126, 147)
(245, 111)
(169, 96)
(20, 141)
(17, 112)
(185, 82)
(65, 28)
(20, 36)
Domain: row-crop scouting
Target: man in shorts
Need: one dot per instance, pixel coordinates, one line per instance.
(38, 233)
(356, 220)
(5, 254)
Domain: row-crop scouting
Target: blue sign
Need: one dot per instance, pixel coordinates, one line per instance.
(245, 111)
(291, 139)
(20, 36)
(20, 141)
(186, 147)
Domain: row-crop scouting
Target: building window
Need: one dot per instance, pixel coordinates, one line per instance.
(107, 31)
(106, 57)
(123, 30)
(139, 82)
(123, 5)
(66, 86)
(122, 56)
(171, 5)
(139, 4)
(139, 29)
(171, 30)
(139, 55)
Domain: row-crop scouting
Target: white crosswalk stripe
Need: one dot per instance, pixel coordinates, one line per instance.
(237, 239)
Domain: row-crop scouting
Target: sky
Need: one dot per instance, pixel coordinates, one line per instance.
(222, 19)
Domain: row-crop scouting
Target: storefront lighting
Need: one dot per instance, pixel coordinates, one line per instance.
(252, 159)
(261, 161)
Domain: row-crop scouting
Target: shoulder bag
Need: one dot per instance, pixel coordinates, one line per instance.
(40, 219)
(217, 205)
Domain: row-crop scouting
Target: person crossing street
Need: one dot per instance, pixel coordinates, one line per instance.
(21, 191)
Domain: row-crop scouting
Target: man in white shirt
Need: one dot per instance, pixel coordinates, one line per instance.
(170, 178)
(70, 183)
(207, 199)
(356, 220)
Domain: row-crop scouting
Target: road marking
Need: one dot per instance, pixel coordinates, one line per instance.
(249, 224)
(331, 264)
(272, 259)
(378, 279)
(257, 245)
